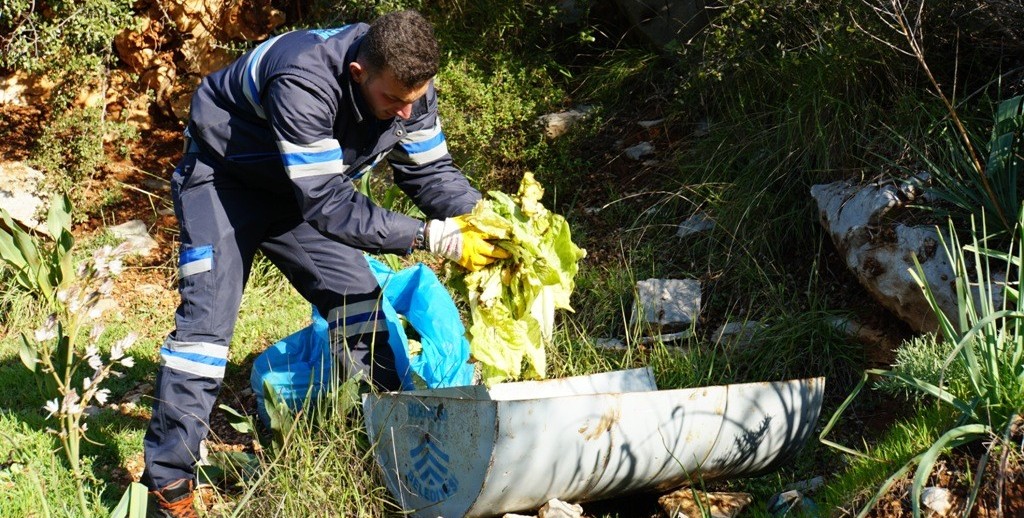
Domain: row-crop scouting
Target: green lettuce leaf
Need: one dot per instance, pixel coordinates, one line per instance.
(513, 301)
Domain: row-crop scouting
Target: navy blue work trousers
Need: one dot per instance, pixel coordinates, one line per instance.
(224, 219)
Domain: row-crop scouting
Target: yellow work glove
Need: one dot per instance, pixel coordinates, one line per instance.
(457, 239)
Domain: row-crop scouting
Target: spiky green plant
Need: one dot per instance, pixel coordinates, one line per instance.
(985, 341)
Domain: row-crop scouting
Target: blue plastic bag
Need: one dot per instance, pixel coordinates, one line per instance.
(300, 364)
(297, 366)
(416, 294)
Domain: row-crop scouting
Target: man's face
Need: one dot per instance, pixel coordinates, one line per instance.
(388, 98)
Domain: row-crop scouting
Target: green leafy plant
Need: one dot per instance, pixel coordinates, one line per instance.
(985, 342)
(924, 357)
(40, 267)
(989, 188)
(513, 301)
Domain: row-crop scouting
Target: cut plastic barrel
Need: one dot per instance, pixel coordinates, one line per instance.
(470, 451)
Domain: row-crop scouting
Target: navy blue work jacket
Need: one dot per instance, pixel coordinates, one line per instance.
(288, 116)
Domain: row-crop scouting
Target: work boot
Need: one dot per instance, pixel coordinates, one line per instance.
(173, 501)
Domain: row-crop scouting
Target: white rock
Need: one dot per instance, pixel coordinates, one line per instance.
(667, 302)
(807, 486)
(737, 333)
(699, 222)
(938, 499)
(881, 254)
(639, 151)
(665, 338)
(557, 124)
(614, 344)
(556, 508)
(21, 194)
(703, 129)
(136, 234)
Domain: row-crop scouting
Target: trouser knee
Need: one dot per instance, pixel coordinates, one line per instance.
(359, 341)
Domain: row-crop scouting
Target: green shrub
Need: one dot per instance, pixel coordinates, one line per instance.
(924, 358)
(979, 179)
(486, 114)
(70, 41)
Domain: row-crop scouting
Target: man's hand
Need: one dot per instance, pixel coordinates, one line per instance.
(460, 241)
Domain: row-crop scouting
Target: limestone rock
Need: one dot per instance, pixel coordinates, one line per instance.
(21, 194)
(556, 508)
(177, 42)
(938, 499)
(667, 303)
(880, 254)
(737, 333)
(557, 124)
(611, 344)
(137, 236)
(639, 151)
(24, 89)
(699, 222)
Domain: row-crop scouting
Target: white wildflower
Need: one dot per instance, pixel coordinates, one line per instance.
(95, 363)
(95, 310)
(86, 383)
(128, 362)
(45, 333)
(122, 249)
(107, 287)
(71, 404)
(101, 396)
(52, 407)
(117, 350)
(62, 295)
(97, 331)
(116, 267)
(75, 304)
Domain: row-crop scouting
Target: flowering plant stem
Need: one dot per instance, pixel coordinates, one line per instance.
(78, 296)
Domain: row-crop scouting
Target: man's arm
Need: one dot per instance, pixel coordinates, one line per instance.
(424, 169)
(302, 121)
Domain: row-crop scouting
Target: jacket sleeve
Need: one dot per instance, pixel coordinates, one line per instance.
(424, 169)
(301, 118)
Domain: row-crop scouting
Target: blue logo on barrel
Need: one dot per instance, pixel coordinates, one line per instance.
(430, 476)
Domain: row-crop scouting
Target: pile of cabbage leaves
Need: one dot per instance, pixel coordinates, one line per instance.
(513, 301)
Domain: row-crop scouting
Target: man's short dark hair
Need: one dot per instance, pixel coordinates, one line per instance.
(402, 42)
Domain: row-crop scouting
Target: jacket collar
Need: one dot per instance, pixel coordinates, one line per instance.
(355, 98)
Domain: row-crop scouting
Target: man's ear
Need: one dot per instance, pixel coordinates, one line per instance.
(358, 72)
